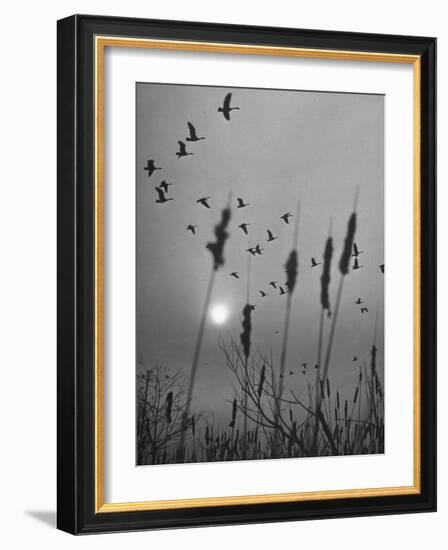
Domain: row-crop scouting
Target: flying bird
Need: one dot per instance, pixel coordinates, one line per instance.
(382, 268)
(251, 251)
(356, 251)
(356, 264)
(182, 150)
(244, 227)
(164, 185)
(273, 284)
(193, 136)
(304, 365)
(314, 263)
(359, 301)
(235, 274)
(151, 167)
(262, 294)
(203, 201)
(259, 250)
(355, 358)
(226, 108)
(271, 236)
(364, 310)
(241, 203)
(282, 291)
(191, 228)
(161, 199)
(291, 373)
(286, 217)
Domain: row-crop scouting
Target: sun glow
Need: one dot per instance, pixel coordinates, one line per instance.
(219, 313)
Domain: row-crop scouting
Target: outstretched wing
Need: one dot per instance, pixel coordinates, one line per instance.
(181, 147)
(227, 100)
(192, 130)
(160, 193)
(270, 235)
(355, 248)
(356, 265)
(240, 201)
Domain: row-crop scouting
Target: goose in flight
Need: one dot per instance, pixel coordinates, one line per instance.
(304, 365)
(273, 284)
(314, 263)
(244, 227)
(282, 291)
(161, 199)
(182, 150)
(259, 250)
(356, 251)
(226, 108)
(235, 274)
(164, 185)
(262, 294)
(356, 264)
(193, 136)
(270, 236)
(359, 302)
(251, 251)
(191, 228)
(286, 217)
(364, 310)
(151, 167)
(203, 201)
(382, 268)
(241, 203)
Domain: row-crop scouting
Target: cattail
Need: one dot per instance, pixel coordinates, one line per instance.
(322, 389)
(261, 382)
(373, 360)
(217, 248)
(356, 396)
(193, 426)
(328, 388)
(291, 270)
(232, 423)
(345, 409)
(344, 262)
(337, 400)
(336, 414)
(169, 406)
(325, 278)
(290, 415)
(247, 326)
(360, 376)
(207, 435)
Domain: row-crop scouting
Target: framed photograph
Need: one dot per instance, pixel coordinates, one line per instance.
(246, 274)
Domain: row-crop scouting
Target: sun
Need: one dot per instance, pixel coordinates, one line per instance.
(219, 313)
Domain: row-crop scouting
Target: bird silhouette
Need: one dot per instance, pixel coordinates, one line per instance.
(282, 291)
(161, 195)
(359, 301)
(203, 201)
(235, 274)
(273, 284)
(191, 228)
(252, 307)
(164, 185)
(316, 366)
(259, 250)
(356, 264)
(286, 217)
(193, 136)
(355, 358)
(356, 251)
(291, 373)
(271, 237)
(182, 150)
(262, 294)
(314, 263)
(364, 310)
(304, 365)
(151, 167)
(251, 251)
(241, 203)
(226, 108)
(304, 372)
(244, 227)
(382, 268)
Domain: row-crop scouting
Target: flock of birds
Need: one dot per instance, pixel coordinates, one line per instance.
(163, 197)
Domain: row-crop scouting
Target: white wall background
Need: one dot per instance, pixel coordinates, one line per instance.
(28, 272)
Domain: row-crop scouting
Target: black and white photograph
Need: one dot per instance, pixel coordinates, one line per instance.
(260, 273)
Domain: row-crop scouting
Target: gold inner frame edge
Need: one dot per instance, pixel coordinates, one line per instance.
(100, 43)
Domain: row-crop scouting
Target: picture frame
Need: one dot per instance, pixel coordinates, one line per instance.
(82, 240)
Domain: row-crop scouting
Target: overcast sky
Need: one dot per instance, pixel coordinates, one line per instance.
(280, 147)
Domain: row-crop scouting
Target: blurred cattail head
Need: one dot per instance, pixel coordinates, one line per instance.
(356, 395)
(193, 425)
(344, 262)
(325, 278)
(373, 360)
(217, 248)
(247, 326)
(291, 267)
(261, 382)
(169, 406)
(234, 408)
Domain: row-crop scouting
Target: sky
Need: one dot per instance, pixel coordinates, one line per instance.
(279, 148)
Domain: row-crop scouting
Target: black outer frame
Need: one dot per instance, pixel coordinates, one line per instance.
(75, 402)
